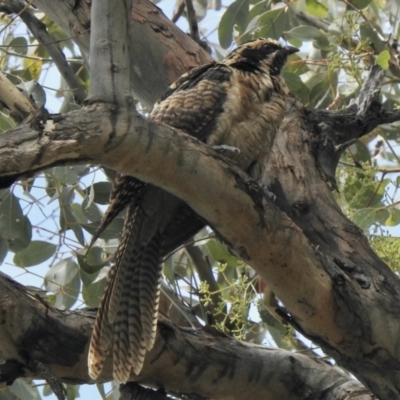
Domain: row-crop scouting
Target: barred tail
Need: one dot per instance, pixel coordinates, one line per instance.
(127, 318)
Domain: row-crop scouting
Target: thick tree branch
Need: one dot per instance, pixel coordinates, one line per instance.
(183, 361)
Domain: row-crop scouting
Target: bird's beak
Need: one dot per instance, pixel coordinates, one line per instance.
(288, 50)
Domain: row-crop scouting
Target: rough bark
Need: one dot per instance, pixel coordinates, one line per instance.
(36, 337)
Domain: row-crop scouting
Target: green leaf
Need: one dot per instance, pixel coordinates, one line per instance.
(303, 32)
(361, 194)
(91, 212)
(78, 213)
(360, 152)
(65, 175)
(67, 218)
(359, 4)
(92, 261)
(236, 13)
(321, 94)
(113, 230)
(36, 253)
(33, 68)
(394, 217)
(63, 280)
(258, 9)
(296, 85)
(314, 7)
(221, 253)
(200, 9)
(274, 22)
(6, 122)
(101, 390)
(101, 192)
(50, 185)
(22, 390)
(372, 34)
(93, 292)
(297, 68)
(19, 45)
(383, 59)
(309, 33)
(367, 217)
(349, 87)
(14, 226)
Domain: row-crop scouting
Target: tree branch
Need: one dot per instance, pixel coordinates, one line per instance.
(109, 53)
(19, 106)
(183, 361)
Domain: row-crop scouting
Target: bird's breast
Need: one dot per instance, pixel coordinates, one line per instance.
(249, 120)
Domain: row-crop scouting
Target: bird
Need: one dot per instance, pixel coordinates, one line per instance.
(237, 103)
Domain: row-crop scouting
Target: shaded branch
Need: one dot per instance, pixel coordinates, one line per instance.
(183, 361)
(363, 115)
(19, 106)
(337, 130)
(109, 53)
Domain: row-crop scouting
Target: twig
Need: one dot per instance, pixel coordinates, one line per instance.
(39, 31)
(204, 271)
(178, 12)
(192, 20)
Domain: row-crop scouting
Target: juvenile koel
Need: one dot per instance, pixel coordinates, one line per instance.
(237, 102)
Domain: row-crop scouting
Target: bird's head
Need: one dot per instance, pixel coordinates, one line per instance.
(260, 54)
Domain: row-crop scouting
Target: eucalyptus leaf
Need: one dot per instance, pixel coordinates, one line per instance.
(274, 22)
(100, 192)
(316, 8)
(37, 252)
(111, 232)
(236, 13)
(63, 280)
(14, 226)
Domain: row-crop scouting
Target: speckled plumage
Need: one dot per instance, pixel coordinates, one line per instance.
(237, 102)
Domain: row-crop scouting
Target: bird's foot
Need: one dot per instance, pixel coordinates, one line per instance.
(227, 151)
(267, 193)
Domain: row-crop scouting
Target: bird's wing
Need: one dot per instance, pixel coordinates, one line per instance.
(191, 104)
(195, 100)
